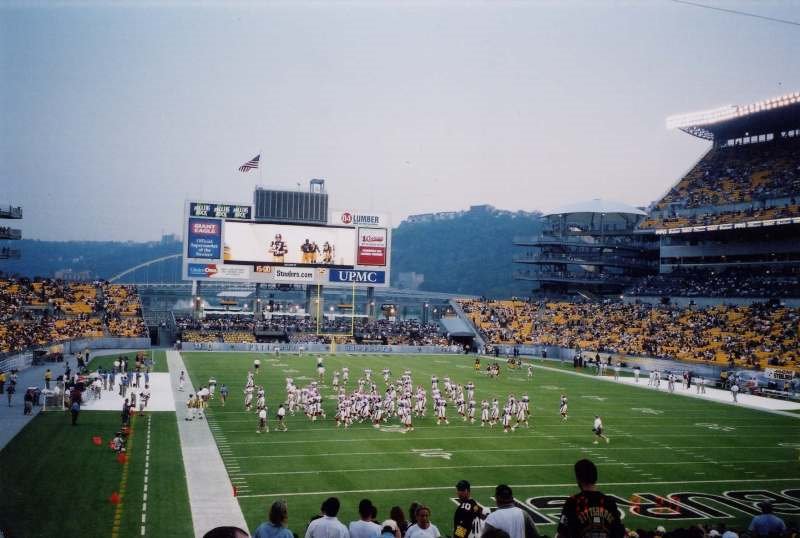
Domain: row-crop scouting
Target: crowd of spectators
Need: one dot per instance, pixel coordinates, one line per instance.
(757, 335)
(41, 311)
(752, 213)
(733, 282)
(728, 176)
(587, 513)
(306, 329)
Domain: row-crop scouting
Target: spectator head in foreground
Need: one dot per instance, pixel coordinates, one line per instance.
(586, 474)
(423, 516)
(330, 507)
(278, 513)
(503, 495)
(463, 490)
(365, 509)
(226, 532)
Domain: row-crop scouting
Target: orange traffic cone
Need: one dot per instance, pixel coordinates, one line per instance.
(97, 440)
(114, 499)
(122, 458)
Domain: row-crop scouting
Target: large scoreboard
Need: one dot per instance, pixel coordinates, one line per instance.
(222, 242)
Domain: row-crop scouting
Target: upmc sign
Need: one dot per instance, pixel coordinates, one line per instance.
(354, 276)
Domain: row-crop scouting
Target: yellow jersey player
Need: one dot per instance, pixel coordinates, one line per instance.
(278, 249)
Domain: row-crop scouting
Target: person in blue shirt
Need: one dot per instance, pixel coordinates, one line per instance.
(767, 523)
(276, 526)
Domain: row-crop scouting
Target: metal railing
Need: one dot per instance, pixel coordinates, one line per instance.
(584, 240)
(10, 212)
(617, 261)
(9, 253)
(561, 276)
(10, 233)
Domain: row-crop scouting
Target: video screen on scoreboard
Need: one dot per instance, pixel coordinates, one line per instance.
(284, 244)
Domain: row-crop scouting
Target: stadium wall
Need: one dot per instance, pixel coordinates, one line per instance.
(646, 364)
(316, 348)
(24, 359)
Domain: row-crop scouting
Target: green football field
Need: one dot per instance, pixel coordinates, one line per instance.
(718, 460)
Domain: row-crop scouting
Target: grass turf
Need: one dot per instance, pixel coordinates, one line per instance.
(660, 443)
(107, 361)
(56, 482)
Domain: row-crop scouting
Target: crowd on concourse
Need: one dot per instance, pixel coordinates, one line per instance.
(758, 335)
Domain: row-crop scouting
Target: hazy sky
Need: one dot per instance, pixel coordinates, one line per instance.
(112, 115)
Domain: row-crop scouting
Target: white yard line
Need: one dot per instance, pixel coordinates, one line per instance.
(492, 486)
(482, 450)
(490, 466)
(706, 435)
(146, 470)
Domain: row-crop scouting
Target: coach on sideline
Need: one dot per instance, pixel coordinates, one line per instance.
(509, 518)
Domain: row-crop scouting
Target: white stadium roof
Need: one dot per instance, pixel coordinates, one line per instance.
(596, 206)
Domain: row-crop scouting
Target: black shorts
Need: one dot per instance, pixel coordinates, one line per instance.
(598, 431)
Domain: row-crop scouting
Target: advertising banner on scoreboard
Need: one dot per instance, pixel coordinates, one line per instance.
(221, 211)
(218, 271)
(285, 275)
(358, 218)
(351, 276)
(205, 239)
(371, 246)
(289, 245)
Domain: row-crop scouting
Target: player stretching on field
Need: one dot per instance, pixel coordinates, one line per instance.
(484, 413)
(598, 429)
(495, 416)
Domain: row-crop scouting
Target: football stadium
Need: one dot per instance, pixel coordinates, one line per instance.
(282, 370)
(311, 359)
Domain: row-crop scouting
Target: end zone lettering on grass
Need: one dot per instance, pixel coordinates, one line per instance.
(546, 509)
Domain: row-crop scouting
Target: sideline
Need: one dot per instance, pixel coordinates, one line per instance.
(748, 401)
(210, 490)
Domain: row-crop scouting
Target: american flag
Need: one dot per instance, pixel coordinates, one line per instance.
(249, 165)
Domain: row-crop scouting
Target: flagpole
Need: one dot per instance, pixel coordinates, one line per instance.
(260, 173)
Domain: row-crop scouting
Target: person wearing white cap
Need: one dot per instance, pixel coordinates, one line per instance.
(713, 533)
(767, 523)
(660, 530)
(389, 529)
